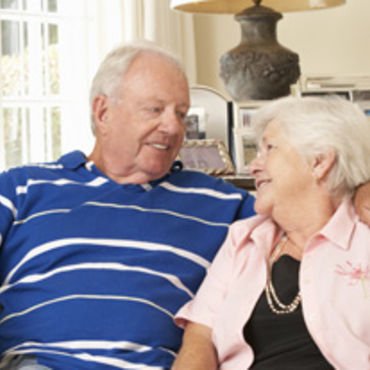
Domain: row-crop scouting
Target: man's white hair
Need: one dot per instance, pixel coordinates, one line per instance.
(108, 77)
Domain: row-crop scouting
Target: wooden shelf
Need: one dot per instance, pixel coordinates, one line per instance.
(244, 182)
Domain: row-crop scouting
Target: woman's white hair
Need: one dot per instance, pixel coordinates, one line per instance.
(314, 126)
(109, 76)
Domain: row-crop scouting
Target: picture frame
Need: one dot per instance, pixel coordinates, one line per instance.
(323, 86)
(195, 123)
(245, 150)
(208, 116)
(244, 145)
(328, 94)
(209, 155)
(356, 90)
(242, 113)
(362, 98)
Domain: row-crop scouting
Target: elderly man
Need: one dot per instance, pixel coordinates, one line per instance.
(98, 252)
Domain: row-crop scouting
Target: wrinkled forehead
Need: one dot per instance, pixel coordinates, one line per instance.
(269, 128)
(146, 62)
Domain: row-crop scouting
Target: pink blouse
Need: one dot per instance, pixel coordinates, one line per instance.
(334, 282)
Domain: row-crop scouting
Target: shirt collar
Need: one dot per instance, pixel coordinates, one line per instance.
(73, 160)
(76, 159)
(340, 228)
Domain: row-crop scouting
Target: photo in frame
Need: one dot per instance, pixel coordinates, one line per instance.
(195, 123)
(208, 116)
(244, 146)
(245, 150)
(242, 113)
(329, 94)
(362, 98)
(352, 89)
(209, 156)
(327, 87)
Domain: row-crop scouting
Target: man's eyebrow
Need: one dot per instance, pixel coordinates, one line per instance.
(184, 104)
(155, 100)
(151, 100)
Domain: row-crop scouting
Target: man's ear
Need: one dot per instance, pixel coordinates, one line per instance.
(322, 163)
(100, 107)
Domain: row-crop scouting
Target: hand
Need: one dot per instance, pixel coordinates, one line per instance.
(362, 202)
(197, 351)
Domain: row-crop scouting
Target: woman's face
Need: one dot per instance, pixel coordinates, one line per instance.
(281, 175)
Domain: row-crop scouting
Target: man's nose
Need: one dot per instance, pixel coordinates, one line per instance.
(171, 121)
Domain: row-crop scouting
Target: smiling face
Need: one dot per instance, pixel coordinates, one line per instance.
(141, 131)
(282, 177)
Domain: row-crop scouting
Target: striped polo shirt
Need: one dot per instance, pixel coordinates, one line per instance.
(92, 271)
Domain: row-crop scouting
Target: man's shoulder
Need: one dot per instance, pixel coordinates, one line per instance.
(205, 187)
(44, 169)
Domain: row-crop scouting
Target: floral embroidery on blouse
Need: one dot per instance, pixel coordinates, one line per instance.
(356, 275)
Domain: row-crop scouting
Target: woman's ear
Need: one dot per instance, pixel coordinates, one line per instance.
(322, 163)
(100, 107)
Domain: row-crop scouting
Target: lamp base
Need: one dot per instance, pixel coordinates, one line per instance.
(259, 67)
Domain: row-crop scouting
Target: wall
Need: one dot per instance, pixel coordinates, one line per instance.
(331, 42)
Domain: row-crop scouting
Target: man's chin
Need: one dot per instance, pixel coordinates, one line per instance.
(157, 173)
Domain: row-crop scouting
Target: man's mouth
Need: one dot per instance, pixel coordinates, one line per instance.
(159, 146)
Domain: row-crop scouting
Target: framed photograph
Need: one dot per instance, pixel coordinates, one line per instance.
(354, 89)
(244, 145)
(324, 86)
(209, 156)
(242, 113)
(208, 116)
(362, 98)
(245, 150)
(327, 94)
(195, 124)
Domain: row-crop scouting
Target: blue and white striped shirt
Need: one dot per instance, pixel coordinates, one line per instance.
(92, 271)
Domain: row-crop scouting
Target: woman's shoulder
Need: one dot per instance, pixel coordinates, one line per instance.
(254, 224)
(256, 230)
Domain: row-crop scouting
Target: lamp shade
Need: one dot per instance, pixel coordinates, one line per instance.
(235, 6)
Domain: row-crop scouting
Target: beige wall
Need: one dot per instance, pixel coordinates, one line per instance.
(332, 42)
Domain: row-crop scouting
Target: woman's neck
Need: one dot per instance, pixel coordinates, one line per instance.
(302, 221)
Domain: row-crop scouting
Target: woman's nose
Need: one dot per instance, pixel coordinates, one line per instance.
(256, 165)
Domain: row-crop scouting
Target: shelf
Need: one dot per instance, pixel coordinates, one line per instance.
(244, 182)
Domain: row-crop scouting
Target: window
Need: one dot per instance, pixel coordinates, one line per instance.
(46, 50)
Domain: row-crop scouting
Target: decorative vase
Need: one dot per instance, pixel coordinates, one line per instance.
(259, 67)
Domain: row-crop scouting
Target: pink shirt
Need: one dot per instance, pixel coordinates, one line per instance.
(334, 281)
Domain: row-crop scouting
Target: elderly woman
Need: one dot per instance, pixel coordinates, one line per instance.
(290, 288)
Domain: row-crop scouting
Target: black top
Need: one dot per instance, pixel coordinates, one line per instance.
(282, 342)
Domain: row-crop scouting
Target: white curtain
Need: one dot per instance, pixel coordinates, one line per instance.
(154, 20)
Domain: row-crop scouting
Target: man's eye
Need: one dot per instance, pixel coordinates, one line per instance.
(150, 109)
(154, 109)
(181, 115)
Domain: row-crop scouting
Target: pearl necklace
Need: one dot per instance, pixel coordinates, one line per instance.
(273, 300)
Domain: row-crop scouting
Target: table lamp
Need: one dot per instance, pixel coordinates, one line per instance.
(259, 67)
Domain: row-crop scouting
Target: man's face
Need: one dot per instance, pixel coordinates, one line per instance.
(142, 130)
